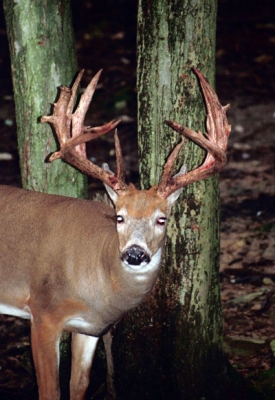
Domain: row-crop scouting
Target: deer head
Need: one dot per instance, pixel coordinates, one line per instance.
(136, 210)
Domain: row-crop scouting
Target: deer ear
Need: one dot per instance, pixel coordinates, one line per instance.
(175, 195)
(112, 194)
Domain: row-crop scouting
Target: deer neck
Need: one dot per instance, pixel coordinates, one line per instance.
(131, 283)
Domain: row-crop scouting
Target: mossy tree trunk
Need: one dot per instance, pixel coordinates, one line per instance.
(43, 57)
(171, 346)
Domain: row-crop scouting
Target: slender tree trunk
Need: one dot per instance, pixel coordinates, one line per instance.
(171, 346)
(43, 57)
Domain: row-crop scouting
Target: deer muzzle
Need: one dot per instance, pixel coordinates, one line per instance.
(135, 255)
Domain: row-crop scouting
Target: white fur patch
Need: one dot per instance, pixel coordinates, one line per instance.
(88, 346)
(16, 312)
(80, 324)
(142, 269)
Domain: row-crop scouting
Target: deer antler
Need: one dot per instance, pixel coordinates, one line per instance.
(73, 135)
(214, 142)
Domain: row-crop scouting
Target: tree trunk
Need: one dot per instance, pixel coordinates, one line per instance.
(171, 346)
(43, 57)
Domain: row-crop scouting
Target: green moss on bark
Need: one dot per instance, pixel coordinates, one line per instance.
(170, 347)
(43, 57)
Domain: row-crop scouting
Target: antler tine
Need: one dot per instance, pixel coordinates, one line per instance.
(85, 100)
(215, 142)
(92, 134)
(74, 91)
(119, 160)
(72, 134)
(58, 119)
(168, 167)
(216, 117)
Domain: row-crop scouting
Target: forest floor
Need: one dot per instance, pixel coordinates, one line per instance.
(246, 80)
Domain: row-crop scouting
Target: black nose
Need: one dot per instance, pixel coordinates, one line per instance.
(135, 255)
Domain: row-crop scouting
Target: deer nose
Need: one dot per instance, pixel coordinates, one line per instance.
(135, 255)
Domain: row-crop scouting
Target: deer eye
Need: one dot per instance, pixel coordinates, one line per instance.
(119, 219)
(161, 221)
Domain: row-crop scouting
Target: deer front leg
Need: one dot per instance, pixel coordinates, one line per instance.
(83, 350)
(45, 338)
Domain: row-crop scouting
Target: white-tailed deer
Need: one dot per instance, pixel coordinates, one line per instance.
(77, 265)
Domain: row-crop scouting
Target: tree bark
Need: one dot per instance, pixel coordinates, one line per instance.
(171, 346)
(43, 57)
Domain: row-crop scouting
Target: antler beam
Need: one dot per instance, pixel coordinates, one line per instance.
(73, 135)
(214, 142)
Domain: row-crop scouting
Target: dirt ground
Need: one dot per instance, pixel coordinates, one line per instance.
(246, 80)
